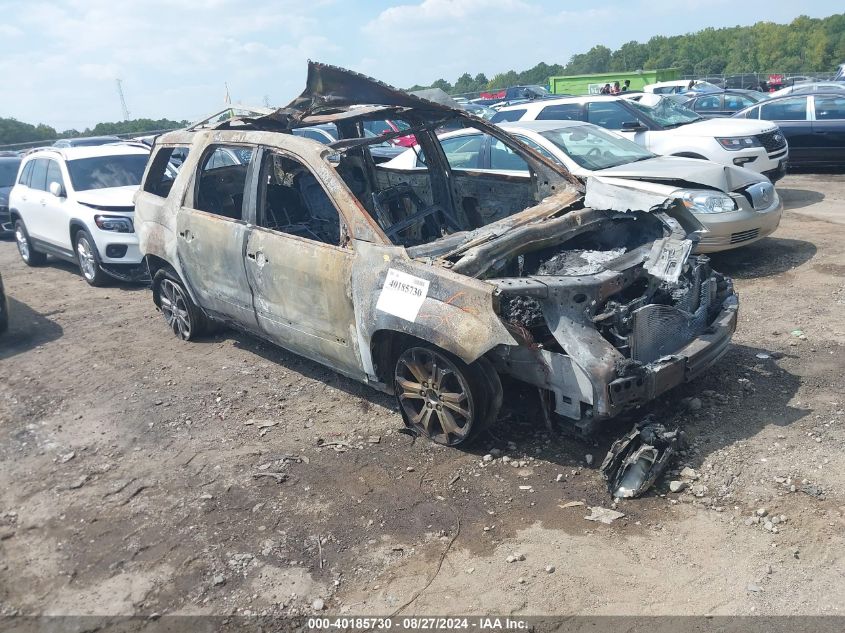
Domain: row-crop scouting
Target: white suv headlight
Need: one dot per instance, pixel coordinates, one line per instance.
(706, 201)
(117, 223)
(734, 143)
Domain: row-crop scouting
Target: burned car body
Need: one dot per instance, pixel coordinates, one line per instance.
(428, 284)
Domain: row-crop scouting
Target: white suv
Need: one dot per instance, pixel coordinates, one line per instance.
(663, 126)
(76, 204)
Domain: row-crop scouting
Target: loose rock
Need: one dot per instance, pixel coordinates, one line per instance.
(603, 515)
(689, 473)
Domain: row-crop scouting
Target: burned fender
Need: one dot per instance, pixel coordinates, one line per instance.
(393, 292)
(636, 460)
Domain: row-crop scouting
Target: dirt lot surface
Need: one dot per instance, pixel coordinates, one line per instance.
(141, 475)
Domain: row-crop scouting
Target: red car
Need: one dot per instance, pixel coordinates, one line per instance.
(381, 127)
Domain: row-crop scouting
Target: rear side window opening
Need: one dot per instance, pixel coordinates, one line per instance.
(164, 169)
(221, 180)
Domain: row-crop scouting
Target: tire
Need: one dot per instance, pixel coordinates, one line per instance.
(423, 378)
(29, 255)
(182, 316)
(88, 259)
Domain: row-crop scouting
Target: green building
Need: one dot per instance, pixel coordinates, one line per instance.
(592, 84)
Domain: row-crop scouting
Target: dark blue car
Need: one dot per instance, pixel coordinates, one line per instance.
(813, 124)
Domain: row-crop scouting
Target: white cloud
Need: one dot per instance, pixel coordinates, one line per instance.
(186, 49)
(59, 58)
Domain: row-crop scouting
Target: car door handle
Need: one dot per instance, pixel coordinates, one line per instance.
(43, 202)
(186, 235)
(259, 257)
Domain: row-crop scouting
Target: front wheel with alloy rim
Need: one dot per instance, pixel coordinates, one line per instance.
(89, 260)
(29, 255)
(183, 318)
(440, 396)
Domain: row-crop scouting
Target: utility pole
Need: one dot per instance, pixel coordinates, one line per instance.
(122, 100)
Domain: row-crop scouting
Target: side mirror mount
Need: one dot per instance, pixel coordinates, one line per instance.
(57, 189)
(633, 126)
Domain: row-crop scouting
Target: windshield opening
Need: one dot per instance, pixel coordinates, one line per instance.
(446, 186)
(8, 171)
(103, 172)
(593, 148)
(667, 112)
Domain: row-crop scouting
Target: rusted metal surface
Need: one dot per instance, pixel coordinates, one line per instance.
(476, 241)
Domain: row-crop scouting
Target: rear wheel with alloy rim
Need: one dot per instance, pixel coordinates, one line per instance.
(441, 397)
(183, 318)
(29, 255)
(89, 260)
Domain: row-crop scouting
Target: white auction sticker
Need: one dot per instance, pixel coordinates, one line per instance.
(402, 295)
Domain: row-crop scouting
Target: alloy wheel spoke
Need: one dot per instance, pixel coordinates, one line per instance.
(409, 386)
(447, 421)
(440, 376)
(424, 419)
(454, 407)
(417, 370)
(452, 398)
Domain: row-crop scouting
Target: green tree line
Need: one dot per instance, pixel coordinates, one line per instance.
(805, 45)
(14, 131)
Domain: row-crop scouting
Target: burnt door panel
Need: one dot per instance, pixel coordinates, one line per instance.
(211, 254)
(487, 196)
(299, 274)
(211, 234)
(302, 296)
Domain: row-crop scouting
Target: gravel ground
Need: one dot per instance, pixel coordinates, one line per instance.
(142, 475)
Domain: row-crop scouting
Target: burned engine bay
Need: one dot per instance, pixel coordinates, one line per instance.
(641, 300)
(605, 298)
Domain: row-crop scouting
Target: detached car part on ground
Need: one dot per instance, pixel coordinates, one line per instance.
(430, 285)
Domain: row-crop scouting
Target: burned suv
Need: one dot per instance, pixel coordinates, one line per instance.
(429, 284)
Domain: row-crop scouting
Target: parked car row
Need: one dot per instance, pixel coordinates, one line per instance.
(664, 127)
(430, 281)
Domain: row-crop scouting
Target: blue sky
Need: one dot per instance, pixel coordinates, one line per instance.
(59, 59)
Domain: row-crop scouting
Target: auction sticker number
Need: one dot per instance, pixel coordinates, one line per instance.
(402, 295)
